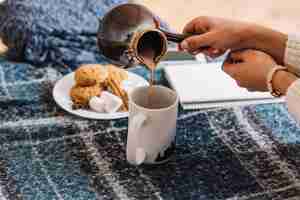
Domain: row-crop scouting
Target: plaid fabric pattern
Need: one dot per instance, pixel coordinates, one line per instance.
(241, 153)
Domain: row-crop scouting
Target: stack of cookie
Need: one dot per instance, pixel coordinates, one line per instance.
(91, 80)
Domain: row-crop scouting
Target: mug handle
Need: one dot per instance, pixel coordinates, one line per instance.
(138, 121)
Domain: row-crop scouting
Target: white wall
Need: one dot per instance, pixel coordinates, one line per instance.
(279, 14)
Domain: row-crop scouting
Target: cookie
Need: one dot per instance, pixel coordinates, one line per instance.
(90, 74)
(82, 95)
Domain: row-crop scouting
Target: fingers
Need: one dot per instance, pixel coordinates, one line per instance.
(197, 42)
(242, 55)
(214, 53)
(234, 69)
(251, 90)
(238, 56)
(197, 25)
(211, 52)
(230, 69)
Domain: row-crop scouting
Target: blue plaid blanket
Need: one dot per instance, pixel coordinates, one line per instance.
(239, 153)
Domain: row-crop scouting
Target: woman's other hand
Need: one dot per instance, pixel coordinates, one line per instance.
(250, 69)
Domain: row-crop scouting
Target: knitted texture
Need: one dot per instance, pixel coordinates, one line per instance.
(60, 32)
(292, 54)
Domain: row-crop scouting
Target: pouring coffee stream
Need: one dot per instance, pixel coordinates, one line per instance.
(130, 34)
(146, 53)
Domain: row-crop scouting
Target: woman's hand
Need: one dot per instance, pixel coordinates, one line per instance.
(215, 35)
(250, 70)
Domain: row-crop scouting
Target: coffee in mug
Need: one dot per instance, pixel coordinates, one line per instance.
(152, 125)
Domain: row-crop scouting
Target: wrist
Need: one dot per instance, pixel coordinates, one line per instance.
(267, 40)
(282, 80)
(247, 36)
(250, 35)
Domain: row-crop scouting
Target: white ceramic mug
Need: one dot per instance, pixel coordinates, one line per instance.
(152, 129)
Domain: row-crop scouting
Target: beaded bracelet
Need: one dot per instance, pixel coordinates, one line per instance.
(270, 77)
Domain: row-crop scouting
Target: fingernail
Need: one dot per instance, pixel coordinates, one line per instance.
(216, 51)
(184, 45)
(195, 52)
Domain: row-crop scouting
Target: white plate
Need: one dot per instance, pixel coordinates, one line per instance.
(62, 89)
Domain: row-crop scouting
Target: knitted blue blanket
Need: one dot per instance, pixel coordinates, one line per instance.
(60, 32)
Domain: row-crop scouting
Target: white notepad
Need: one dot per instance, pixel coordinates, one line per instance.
(203, 85)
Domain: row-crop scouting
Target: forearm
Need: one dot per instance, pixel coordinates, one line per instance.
(270, 41)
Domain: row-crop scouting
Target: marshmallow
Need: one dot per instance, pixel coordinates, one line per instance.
(127, 85)
(97, 104)
(112, 102)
